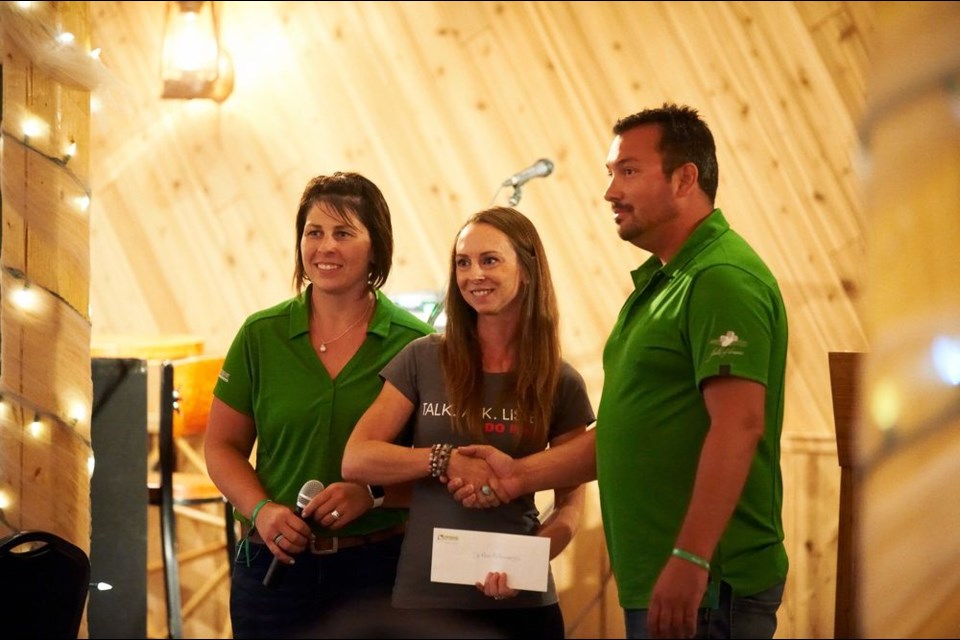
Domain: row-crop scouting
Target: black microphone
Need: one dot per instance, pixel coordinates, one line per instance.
(538, 169)
(309, 489)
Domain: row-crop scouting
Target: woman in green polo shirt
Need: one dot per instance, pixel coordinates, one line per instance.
(296, 379)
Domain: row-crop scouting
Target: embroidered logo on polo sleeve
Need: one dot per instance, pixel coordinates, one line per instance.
(728, 344)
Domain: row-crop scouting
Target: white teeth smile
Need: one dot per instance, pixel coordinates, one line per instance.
(481, 292)
(327, 267)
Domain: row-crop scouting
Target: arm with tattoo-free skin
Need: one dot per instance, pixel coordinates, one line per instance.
(371, 456)
(227, 446)
(736, 408)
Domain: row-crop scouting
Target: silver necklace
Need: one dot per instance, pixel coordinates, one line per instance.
(324, 343)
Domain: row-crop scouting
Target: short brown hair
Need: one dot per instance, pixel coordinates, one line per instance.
(348, 194)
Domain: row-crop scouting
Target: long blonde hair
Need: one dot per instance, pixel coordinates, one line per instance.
(537, 366)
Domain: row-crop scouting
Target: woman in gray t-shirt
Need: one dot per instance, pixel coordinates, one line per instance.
(494, 376)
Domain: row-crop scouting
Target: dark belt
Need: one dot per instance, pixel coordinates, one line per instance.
(324, 545)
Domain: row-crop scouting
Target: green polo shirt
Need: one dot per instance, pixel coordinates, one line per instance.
(713, 310)
(303, 417)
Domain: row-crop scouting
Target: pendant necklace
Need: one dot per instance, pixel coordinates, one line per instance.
(324, 343)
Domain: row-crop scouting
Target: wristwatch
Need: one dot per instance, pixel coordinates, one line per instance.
(376, 494)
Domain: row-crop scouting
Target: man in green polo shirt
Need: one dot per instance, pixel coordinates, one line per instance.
(687, 440)
(689, 423)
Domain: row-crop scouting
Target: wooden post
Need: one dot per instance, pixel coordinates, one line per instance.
(845, 387)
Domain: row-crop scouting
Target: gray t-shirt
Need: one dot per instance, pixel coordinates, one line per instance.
(417, 374)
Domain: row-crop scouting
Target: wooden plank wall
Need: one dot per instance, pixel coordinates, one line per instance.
(191, 219)
(45, 385)
(438, 102)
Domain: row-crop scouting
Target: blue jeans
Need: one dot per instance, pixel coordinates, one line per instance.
(746, 617)
(317, 596)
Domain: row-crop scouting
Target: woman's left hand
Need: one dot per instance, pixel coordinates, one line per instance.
(495, 586)
(338, 505)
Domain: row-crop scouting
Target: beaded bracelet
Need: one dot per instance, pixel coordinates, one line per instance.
(692, 557)
(439, 459)
(256, 510)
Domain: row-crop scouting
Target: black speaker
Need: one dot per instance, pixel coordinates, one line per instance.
(118, 499)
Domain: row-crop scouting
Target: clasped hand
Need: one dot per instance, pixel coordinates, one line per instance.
(288, 534)
(480, 476)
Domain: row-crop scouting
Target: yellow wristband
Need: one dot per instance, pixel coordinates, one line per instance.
(691, 557)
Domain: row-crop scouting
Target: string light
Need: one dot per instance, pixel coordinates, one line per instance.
(67, 62)
(58, 56)
(25, 297)
(77, 412)
(40, 426)
(73, 402)
(33, 127)
(36, 427)
(70, 152)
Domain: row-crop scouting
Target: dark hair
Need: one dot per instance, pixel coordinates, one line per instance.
(537, 369)
(348, 194)
(684, 137)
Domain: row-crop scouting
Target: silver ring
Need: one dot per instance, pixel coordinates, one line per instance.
(498, 597)
(276, 538)
(485, 490)
(335, 514)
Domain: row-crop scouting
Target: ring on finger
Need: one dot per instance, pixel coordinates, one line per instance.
(276, 538)
(498, 597)
(335, 514)
(485, 490)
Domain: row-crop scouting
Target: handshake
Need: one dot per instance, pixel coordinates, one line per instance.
(480, 476)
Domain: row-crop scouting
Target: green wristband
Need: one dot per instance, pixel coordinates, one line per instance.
(691, 557)
(256, 510)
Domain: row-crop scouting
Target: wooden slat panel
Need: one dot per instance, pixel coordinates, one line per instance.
(44, 350)
(810, 519)
(40, 199)
(438, 102)
(842, 32)
(44, 356)
(36, 466)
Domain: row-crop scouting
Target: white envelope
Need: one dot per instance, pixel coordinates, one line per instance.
(465, 557)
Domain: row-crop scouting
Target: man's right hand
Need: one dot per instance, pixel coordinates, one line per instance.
(506, 468)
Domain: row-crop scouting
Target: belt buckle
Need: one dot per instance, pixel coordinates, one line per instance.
(324, 552)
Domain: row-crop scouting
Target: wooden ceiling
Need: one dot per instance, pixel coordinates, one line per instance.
(439, 102)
